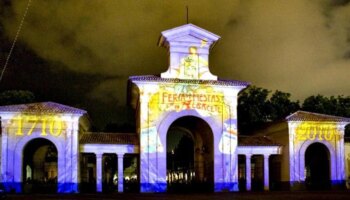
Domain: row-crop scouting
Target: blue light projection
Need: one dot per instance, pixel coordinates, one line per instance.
(162, 102)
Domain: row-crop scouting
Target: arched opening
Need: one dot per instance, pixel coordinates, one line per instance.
(317, 167)
(40, 166)
(190, 155)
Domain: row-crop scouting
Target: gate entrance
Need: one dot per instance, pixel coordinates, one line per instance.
(190, 155)
(40, 166)
(317, 166)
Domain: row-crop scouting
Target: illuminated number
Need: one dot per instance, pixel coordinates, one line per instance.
(321, 131)
(43, 127)
(301, 135)
(34, 120)
(19, 126)
(330, 134)
(52, 128)
(314, 132)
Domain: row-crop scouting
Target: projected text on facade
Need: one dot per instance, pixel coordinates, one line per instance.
(309, 131)
(25, 125)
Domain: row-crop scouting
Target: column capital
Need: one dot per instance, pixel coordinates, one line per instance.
(248, 156)
(120, 155)
(99, 155)
(267, 156)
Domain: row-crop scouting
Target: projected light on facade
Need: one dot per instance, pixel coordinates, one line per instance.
(24, 125)
(187, 88)
(313, 131)
(53, 124)
(325, 131)
(186, 97)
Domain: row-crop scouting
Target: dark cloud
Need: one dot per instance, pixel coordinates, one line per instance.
(295, 46)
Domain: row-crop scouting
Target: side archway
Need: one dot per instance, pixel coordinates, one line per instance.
(19, 158)
(317, 166)
(327, 147)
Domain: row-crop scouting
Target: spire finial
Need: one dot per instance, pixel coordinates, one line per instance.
(187, 14)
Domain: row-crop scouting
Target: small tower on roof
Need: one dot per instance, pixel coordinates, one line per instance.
(189, 48)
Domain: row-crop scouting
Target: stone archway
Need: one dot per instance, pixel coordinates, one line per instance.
(317, 166)
(153, 168)
(39, 168)
(332, 158)
(224, 165)
(19, 154)
(192, 159)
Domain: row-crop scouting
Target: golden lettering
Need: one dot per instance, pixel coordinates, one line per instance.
(314, 132)
(19, 126)
(43, 127)
(317, 131)
(34, 121)
(52, 128)
(55, 128)
(329, 135)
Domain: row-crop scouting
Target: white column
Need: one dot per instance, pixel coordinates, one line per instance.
(120, 173)
(266, 172)
(248, 172)
(99, 172)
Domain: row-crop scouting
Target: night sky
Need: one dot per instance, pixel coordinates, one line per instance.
(80, 52)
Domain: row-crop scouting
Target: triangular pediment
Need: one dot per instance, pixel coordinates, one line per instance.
(310, 116)
(189, 48)
(186, 33)
(41, 107)
(188, 38)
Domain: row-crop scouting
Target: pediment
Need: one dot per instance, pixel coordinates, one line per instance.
(188, 47)
(187, 33)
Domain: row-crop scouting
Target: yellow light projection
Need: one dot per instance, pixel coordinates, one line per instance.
(313, 131)
(211, 103)
(26, 125)
(202, 98)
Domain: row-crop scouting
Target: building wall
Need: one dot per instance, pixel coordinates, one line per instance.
(18, 129)
(162, 104)
(278, 132)
(347, 163)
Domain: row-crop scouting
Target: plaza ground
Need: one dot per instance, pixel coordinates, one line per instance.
(284, 195)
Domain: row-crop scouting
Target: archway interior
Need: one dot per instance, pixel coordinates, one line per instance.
(190, 154)
(40, 166)
(88, 172)
(317, 166)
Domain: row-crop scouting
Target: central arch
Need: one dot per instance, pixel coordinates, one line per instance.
(190, 155)
(215, 128)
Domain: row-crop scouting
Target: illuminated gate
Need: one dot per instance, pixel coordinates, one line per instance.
(46, 121)
(190, 159)
(317, 166)
(40, 166)
(308, 130)
(187, 88)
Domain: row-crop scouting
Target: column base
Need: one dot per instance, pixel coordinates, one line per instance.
(338, 184)
(12, 187)
(67, 188)
(153, 187)
(226, 187)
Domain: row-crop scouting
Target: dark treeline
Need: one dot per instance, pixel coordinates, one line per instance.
(258, 106)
